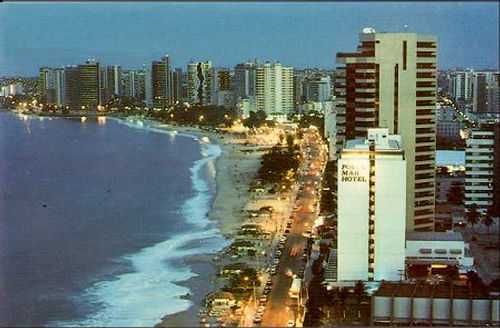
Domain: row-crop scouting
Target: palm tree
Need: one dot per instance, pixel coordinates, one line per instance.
(472, 216)
(359, 290)
(488, 219)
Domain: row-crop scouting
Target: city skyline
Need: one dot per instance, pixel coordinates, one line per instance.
(297, 34)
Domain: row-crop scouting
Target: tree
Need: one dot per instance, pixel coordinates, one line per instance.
(359, 290)
(472, 216)
(488, 219)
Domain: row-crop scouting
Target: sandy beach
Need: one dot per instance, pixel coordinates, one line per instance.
(235, 168)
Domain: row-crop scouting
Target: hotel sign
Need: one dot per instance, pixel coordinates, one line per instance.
(354, 173)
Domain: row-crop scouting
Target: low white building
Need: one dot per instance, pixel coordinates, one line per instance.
(439, 248)
(372, 208)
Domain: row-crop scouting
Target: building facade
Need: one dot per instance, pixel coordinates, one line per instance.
(461, 84)
(391, 82)
(482, 167)
(89, 84)
(275, 89)
(162, 86)
(199, 88)
(245, 79)
(485, 92)
(371, 208)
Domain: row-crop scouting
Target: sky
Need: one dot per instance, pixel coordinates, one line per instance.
(33, 35)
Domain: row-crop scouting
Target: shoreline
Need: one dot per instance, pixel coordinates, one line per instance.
(233, 175)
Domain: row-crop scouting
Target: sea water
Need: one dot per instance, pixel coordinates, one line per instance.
(96, 217)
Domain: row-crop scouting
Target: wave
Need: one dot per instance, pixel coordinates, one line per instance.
(144, 296)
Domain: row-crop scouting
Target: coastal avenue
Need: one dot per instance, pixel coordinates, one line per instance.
(279, 308)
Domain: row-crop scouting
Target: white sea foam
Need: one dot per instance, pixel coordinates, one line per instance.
(144, 296)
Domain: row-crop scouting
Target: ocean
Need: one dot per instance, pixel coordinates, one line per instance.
(96, 218)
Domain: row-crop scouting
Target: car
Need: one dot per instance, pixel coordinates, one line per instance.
(279, 252)
(267, 290)
(287, 231)
(276, 261)
(263, 299)
(261, 309)
(304, 256)
(273, 271)
(281, 246)
(290, 323)
(269, 282)
(257, 318)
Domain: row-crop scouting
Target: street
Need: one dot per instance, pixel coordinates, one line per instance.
(280, 308)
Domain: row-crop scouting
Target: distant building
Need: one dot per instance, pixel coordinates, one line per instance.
(72, 87)
(298, 91)
(461, 84)
(245, 79)
(317, 89)
(162, 85)
(485, 92)
(448, 126)
(145, 92)
(275, 89)
(113, 82)
(177, 82)
(51, 86)
(12, 90)
(371, 200)
(482, 167)
(89, 84)
(199, 86)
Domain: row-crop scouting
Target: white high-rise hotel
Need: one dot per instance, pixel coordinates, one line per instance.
(372, 208)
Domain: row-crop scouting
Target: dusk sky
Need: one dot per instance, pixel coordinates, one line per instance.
(33, 35)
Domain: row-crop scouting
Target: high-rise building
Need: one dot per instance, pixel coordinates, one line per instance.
(89, 84)
(113, 82)
(51, 86)
(44, 77)
(72, 87)
(482, 169)
(371, 208)
(317, 89)
(199, 87)
(223, 79)
(145, 86)
(130, 84)
(275, 89)
(161, 75)
(59, 87)
(298, 91)
(177, 82)
(462, 84)
(485, 92)
(245, 79)
(391, 82)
